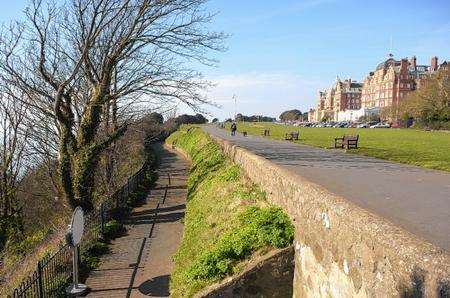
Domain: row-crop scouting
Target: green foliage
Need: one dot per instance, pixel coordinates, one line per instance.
(227, 217)
(91, 256)
(430, 104)
(136, 197)
(149, 178)
(258, 228)
(291, 115)
(18, 246)
(113, 229)
(271, 225)
(10, 231)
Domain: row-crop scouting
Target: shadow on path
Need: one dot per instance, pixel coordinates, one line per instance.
(157, 286)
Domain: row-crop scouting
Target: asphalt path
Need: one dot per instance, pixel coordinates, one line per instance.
(416, 199)
(140, 262)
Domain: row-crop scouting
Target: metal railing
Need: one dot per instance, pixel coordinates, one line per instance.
(53, 272)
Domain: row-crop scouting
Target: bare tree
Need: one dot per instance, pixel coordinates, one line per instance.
(13, 158)
(85, 60)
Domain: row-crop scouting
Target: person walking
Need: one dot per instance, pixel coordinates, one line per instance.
(233, 128)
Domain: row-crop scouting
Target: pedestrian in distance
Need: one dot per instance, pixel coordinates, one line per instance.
(233, 128)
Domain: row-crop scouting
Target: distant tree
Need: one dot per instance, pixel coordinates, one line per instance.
(14, 158)
(430, 104)
(254, 118)
(200, 119)
(155, 118)
(291, 115)
(191, 119)
(305, 116)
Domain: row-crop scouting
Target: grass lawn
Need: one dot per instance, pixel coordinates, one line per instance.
(416, 147)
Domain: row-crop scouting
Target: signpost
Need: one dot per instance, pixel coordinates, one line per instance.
(73, 237)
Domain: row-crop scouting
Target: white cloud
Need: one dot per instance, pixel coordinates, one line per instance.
(262, 93)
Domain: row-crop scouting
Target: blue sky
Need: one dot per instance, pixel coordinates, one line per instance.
(281, 52)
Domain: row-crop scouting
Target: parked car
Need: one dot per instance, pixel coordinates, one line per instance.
(381, 125)
(363, 125)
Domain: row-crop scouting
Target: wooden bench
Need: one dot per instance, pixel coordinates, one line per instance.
(346, 142)
(293, 136)
(266, 133)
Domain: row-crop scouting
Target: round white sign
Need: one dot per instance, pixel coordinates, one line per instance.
(77, 225)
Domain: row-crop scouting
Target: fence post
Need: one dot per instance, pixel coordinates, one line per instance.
(39, 280)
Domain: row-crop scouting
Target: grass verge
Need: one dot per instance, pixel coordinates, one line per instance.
(227, 218)
(428, 149)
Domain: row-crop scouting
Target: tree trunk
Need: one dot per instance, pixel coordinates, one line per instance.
(84, 165)
(65, 172)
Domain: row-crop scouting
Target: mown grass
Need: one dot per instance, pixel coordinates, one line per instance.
(428, 149)
(227, 217)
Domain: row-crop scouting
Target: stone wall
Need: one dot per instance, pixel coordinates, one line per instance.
(342, 250)
(269, 275)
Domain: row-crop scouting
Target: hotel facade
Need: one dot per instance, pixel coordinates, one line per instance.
(387, 85)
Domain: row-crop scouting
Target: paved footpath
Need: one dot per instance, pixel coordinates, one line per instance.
(413, 198)
(140, 263)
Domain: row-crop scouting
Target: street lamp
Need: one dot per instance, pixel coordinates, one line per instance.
(235, 106)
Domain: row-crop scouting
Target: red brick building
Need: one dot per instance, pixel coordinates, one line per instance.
(392, 80)
(341, 96)
(387, 85)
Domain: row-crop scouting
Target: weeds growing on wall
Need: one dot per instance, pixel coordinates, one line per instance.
(227, 219)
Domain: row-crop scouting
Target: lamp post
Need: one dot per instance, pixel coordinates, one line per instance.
(235, 106)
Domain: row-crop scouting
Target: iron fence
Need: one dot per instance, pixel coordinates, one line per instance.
(54, 271)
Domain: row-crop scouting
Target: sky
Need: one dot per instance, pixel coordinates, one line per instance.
(280, 53)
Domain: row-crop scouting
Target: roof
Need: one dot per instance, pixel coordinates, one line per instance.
(387, 63)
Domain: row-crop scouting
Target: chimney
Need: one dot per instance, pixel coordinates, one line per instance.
(413, 62)
(434, 63)
(404, 66)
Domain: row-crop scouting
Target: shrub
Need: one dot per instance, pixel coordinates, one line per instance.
(113, 229)
(91, 256)
(260, 227)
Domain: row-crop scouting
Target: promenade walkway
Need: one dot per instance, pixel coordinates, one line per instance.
(140, 263)
(413, 198)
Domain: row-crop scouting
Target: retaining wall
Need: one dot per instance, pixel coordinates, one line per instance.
(342, 250)
(269, 275)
